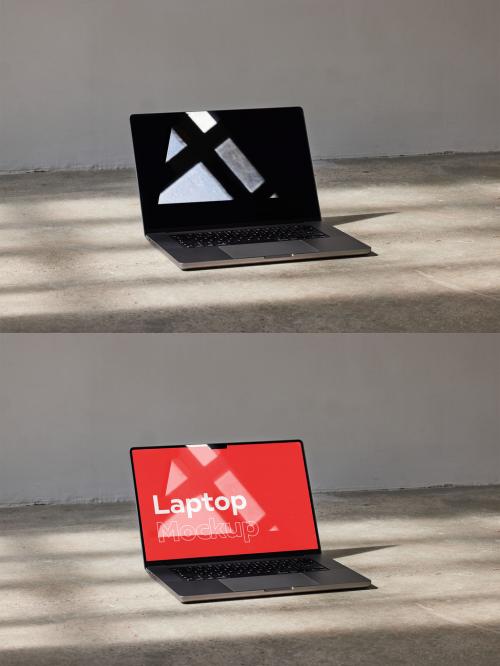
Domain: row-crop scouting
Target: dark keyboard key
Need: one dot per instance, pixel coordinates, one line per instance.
(269, 234)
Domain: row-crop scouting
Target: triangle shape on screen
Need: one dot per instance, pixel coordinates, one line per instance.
(195, 185)
(175, 145)
(176, 477)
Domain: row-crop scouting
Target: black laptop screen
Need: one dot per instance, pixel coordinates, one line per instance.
(198, 501)
(222, 168)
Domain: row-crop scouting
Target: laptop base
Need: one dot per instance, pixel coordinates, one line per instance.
(335, 577)
(335, 244)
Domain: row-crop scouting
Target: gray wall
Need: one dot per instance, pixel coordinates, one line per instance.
(375, 411)
(376, 77)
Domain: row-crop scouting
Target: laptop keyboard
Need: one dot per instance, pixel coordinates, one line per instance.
(248, 568)
(271, 233)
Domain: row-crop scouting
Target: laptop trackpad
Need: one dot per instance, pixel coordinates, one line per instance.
(278, 582)
(281, 248)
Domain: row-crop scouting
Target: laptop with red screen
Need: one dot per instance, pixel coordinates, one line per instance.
(220, 521)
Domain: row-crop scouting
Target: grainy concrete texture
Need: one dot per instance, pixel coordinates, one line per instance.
(376, 77)
(74, 591)
(74, 257)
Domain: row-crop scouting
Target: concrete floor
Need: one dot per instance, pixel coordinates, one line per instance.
(74, 257)
(74, 592)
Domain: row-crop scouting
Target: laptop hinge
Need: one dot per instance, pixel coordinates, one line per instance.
(230, 558)
(233, 225)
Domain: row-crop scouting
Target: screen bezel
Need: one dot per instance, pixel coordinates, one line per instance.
(216, 214)
(194, 560)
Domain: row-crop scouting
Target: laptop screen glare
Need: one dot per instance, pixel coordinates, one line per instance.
(199, 501)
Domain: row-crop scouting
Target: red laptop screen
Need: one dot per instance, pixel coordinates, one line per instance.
(198, 501)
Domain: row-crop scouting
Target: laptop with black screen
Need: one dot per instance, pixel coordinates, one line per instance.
(219, 188)
(221, 521)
